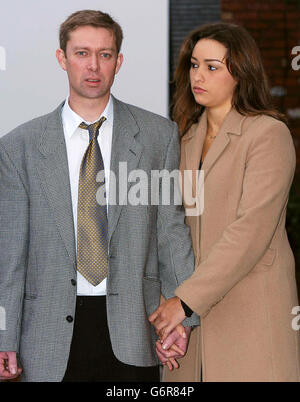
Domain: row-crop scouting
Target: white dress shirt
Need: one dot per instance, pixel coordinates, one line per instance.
(77, 141)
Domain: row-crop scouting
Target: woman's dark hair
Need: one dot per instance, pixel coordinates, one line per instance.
(251, 95)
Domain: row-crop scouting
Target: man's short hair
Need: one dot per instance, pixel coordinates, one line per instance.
(92, 18)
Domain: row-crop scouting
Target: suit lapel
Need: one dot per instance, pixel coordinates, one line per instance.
(127, 150)
(52, 166)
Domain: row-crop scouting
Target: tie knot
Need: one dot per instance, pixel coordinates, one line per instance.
(93, 129)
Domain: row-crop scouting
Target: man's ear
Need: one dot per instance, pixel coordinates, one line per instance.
(61, 58)
(119, 62)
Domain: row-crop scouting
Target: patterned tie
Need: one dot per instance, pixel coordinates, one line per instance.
(92, 238)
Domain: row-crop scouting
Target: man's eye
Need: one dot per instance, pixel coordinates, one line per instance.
(81, 53)
(106, 55)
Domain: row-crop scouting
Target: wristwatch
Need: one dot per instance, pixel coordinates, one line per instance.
(188, 312)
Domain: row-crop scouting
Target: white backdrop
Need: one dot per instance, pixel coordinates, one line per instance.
(31, 81)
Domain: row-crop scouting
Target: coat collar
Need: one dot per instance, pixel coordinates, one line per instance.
(194, 139)
(52, 135)
(232, 124)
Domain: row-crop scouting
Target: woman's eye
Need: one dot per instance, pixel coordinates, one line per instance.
(194, 65)
(212, 68)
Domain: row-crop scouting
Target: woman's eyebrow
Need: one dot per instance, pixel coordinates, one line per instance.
(208, 60)
(214, 60)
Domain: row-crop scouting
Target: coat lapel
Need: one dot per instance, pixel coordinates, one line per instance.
(193, 144)
(52, 166)
(232, 125)
(125, 150)
(194, 141)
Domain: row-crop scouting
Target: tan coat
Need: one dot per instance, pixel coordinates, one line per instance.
(244, 285)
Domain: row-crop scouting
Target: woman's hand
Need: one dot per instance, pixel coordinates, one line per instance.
(167, 316)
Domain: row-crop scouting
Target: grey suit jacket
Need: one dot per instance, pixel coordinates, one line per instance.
(150, 250)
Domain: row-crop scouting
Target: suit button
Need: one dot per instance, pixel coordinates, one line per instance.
(69, 318)
(73, 282)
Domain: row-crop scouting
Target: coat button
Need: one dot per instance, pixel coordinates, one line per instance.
(73, 282)
(69, 318)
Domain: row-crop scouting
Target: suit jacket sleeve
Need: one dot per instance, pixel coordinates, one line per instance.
(176, 258)
(267, 179)
(13, 249)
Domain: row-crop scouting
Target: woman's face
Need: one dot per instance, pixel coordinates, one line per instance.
(211, 83)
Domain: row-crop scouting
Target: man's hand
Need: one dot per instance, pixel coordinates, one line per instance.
(174, 347)
(167, 316)
(9, 366)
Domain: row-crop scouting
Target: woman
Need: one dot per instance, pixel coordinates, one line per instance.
(243, 287)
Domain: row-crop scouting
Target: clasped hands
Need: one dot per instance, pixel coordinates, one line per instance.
(173, 336)
(172, 343)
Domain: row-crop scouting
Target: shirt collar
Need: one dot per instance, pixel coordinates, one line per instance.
(71, 119)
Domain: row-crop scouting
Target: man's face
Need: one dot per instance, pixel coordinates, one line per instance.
(91, 62)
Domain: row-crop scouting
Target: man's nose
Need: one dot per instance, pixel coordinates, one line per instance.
(94, 64)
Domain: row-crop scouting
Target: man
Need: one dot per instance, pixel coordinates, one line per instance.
(82, 315)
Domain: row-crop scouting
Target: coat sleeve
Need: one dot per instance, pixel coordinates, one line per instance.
(267, 179)
(14, 208)
(175, 254)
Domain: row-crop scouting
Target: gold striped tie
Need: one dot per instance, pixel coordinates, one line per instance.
(92, 238)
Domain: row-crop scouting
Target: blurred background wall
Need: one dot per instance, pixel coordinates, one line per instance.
(31, 81)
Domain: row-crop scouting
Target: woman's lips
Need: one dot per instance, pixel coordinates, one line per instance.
(199, 90)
